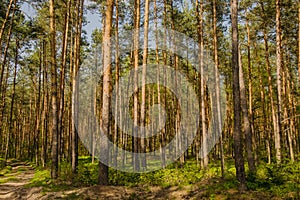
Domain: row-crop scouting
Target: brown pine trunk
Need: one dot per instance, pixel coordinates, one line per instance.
(45, 108)
(278, 70)
(37, 111)
(105, 120)
(11, 128)
(78, 24)
(288, 109)
(135, 143)
(274, 116)
(54, 129)
(145, 56)
(276, 128)
(237, 135)
(247, 128)
(264, 112)
(299, 41)
(217, 85)
(117, 116)
(61, 94)
(199, 13)
(251, 116)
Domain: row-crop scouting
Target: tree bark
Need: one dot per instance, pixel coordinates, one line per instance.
(247, 127)
(299, 41)
(238, 146)
(54, 129)
(117, 60)
(106, 98)
(250, 90)
(135, 143)
(145, 56)
(273, 111)
(278, 70)
(11, 128)
(61, 94)
(217, 85)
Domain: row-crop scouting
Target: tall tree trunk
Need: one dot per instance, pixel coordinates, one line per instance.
(299, 42)
(278, 70)
(270, 87)
(199, 14)
(54, 129)
(105, 120)
(11, 129)
(250, 91)
(145, 56)
(78, 24)
(238, 146)
(264, 114)
(291, 115)
(274, 116)
(136, 160)
(37, 109)
(45, 107)
(247, 127)
(117, 60)
(217, 85)
(61, 94)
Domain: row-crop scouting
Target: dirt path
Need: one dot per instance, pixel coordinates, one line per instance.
(12, 183)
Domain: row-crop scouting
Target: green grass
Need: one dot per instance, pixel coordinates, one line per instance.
(9, 179)
(22, 169)
(5, 171)
(41, 178)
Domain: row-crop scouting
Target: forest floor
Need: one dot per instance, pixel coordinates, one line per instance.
(16, 179)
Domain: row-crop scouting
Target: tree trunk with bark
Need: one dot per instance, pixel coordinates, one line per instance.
(54, 129)
(237, 135)
(106, 98)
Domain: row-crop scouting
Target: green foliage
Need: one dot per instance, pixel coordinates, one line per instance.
(280, 180)
(87, 171)
(188, 174)
(6, 170)
(269, 180)
(41, 178)
(12, 178)
(2, 163)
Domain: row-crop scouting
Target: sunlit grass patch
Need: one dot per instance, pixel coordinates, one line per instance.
(9, 179)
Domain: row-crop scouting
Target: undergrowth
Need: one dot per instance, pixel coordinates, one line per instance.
(277, 180)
